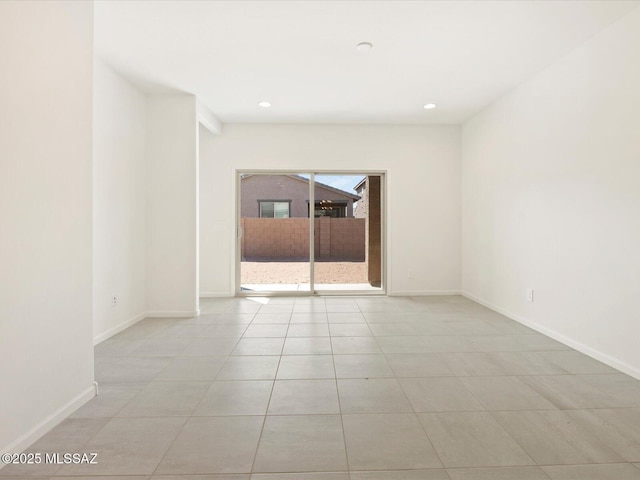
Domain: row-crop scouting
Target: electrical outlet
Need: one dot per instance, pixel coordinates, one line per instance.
(410, 273)
(530, 294)
(114, 300)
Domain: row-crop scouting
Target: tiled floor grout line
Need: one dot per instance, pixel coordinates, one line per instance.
(266, 411)
(409, 402)
(193, 410)
(344, 435)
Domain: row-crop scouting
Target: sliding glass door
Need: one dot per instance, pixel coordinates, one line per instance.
(274, 233)
(315, 232)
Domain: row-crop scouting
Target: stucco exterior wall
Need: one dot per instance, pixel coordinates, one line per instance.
(284, 188)
(288, 239)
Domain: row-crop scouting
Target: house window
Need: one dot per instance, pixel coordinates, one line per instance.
(271, 209)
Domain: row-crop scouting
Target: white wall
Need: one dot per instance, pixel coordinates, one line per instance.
(172, 240)
(423, 184)
(215, 270)
(119, 203)
(46, 347)
(551, 199)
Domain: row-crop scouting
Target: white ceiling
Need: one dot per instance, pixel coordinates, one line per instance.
(301, 55)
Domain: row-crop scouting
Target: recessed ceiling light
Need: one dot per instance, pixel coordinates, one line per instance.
(429, 106)
(364, 46)
(264, 104)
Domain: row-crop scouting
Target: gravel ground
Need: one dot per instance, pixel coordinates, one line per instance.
(298, 272)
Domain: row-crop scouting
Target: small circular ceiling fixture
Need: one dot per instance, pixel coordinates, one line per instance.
(364, 46)
(264, 104)
(429, 106)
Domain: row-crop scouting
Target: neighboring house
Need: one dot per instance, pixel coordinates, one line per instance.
(287, 196)
(360, 210)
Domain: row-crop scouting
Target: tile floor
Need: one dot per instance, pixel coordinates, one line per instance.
(375, 388)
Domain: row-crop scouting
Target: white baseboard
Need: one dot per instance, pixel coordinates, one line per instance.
(118, 328)
(175, 313)
(216, 294)
(49, 422)
(587, 350)
(423, 293)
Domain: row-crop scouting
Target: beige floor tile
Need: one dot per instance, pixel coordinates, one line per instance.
(453, 360)
(309, 317)
(102, 477)
(493, 343)
(420, 364)
(502, 473)
(354, 345)
(112, 398)
(238, 318)
(309, 308)
(506, 326)
(147, 328)
(307, 346)
(349, 330)
(188, 331)
(477, 364)
(537, 342)
(618, 428)
(387, 442)
(465, 326)
(571, 392)
(261, 367)
(439, 394)
(350, 317)
(526, 363)
(266, 331)
(259, 346)
(224, 330)
(308, 330)
(69, 436)
(166, 399)
(237, 397)
(432, 474)
(404, 344)
(301, 443)
(472, 439)
(392, 329)
(446, 343)
(115, 347)
(375, 395)
(383, 314)
(362, 366)
(128, 446)
(306, 367)
(276, 309)
(342, 307)
(300, 476)
(623, 389)
(200, 477)
(576, 362)
(214, 445)
(272, 318)
(593, 472)
(211, 347)
(506, 393)
(246, 306)
(299, 397)
(129, 370)
(550, 437)
(192, 369)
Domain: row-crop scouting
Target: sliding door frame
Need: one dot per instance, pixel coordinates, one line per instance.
(312, 291)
